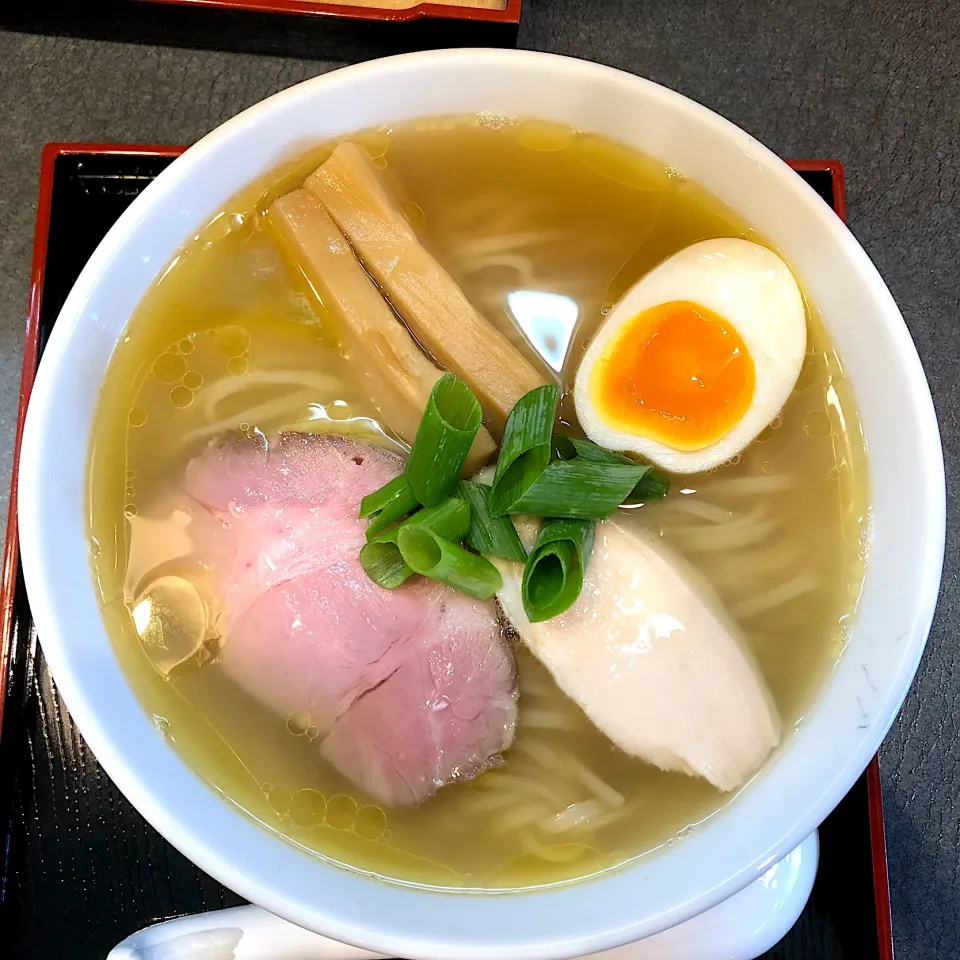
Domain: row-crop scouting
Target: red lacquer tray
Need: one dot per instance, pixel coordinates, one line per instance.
(80, 868)
(308, 29)
(509, 14)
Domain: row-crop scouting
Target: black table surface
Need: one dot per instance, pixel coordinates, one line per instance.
(874, 83)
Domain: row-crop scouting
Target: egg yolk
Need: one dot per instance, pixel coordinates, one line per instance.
(678, 373)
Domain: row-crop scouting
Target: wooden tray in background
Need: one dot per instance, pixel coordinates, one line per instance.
(310, 29)
(398, 11)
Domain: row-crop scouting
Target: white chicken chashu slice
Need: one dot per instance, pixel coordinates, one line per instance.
(654, 662)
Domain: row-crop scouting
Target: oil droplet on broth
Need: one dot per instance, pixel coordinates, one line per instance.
(370, 822)
(130, 510)
(137, 417)
(237, 366)
(817, 424)
(375, 142)
(187, 345)
(278, 798)
(308, 807)
(298, 724)
(169, 367)
(543, 136)
(181, 396)
(341, 811)
(171, 621)
(223, 224)
(231, 340)
(193, 380)
(621, 164)
(338, 410)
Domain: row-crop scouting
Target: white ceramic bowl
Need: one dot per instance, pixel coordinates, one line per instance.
(808, 777)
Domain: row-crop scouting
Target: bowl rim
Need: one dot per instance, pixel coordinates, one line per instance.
(187, 835)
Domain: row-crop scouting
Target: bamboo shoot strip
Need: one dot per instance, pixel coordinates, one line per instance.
(396, 373)
(420, 290)
(553, 576)
(489, 535)
(450, 422)
(526, 447)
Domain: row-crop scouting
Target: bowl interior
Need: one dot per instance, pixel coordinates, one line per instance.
(796, 790)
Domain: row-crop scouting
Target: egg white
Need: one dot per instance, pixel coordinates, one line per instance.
(755, 292)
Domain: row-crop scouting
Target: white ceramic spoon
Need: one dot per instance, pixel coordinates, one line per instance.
(741, 928)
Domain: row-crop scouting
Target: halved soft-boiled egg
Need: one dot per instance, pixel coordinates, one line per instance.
(697, 358)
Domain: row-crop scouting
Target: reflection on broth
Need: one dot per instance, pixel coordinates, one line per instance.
(543, 229)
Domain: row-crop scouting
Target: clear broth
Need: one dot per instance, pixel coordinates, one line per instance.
(535, 221)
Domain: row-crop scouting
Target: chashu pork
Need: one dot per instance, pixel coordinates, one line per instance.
(408, 689)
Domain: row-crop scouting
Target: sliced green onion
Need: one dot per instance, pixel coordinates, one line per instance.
(567, 447)
(525, 451)
(444, 437)
(382, 559)
(553, 576)
(449, 519)
(384, 565)
(492, 536)
(580, 489)
(388, 505)
(449, 563)
(375, 502)
(650, 486)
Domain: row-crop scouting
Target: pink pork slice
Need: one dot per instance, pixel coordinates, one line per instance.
(410, 688)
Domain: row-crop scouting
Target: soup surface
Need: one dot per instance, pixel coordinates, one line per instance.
(544, 229)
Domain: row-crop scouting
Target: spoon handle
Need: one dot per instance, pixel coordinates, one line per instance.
(239, 933)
